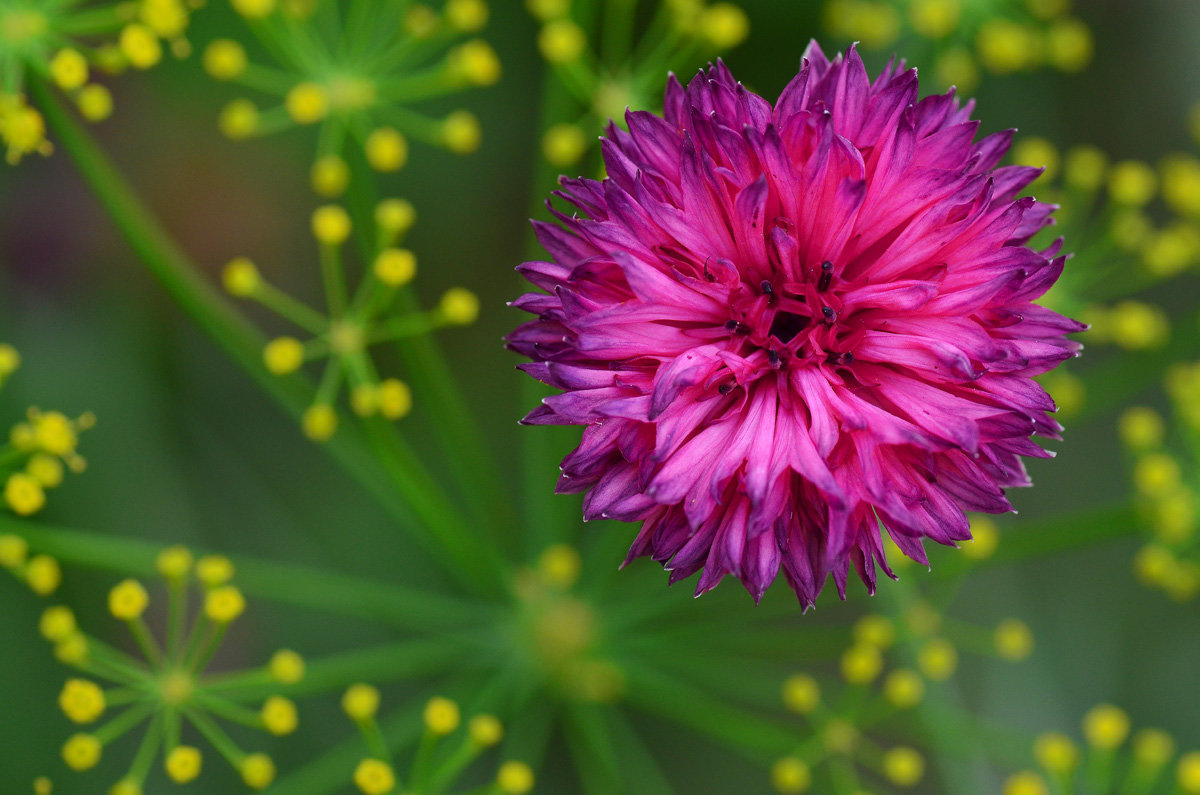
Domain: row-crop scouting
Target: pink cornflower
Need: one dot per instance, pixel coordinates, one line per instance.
(790, 329)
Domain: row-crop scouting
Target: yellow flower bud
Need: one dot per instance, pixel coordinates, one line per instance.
(1025, 783)
(1132, 183)
(174, 563)
(459, 306)
(485, 730)
(1085, 168)
(386, 150)
(43, 575)
(238, 119)
(561, 41)
(24, 494)
(330, 176)
(331, 225)
(861, 664)
(559, 565)
(934, 19)
(81, 752)
(790, 774)
(1013, 639)
(13, 551)
(183, 763)
(801, 693)
(476, 63)
(1037, 152)
(1069, 45)
(286, 667)
(258, 771)
(81, 701)
(1105, 727)
(253, 9)
(441, 715)
(69, 69)
(903, 688)
(1056, 752)
(128, 600)
(461, 132)
(214, 570)
(360, 702)
(937, 659)
(1005, 46)
(72, 650)
(1153, 747)
(224, 604)
(514, 778)
(1141, 428)
(875, 630)
(564, 144)
(319, 422)
(903, 766)
(1187, 773)
(57, 623)
(394, 399)
(45, 469)
(140, 46)
(467, 16)
(225, 59)
(307, 103)
(724, 25)
(283, 355)
(374, 777)
(395, 216)
(10, 360)
(279, 716)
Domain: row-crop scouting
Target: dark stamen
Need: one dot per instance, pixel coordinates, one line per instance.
(847, 358)
(766, 287)
(773, 357)
(725, 389)
(730, 325)
(787, 325)
(826, 276)
(707, 274)
(829, 314)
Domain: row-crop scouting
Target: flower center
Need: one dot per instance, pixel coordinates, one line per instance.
(348, 93)
(176, 687)
(346, 338)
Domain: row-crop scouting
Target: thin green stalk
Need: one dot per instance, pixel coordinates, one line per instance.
(590, 743)
(240, 340)
(298, 586)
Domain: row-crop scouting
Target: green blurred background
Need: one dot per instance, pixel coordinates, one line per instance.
(188, 450)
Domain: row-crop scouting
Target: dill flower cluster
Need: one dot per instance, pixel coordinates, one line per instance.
(624, 69)
(39, 450)
(381, 310)
(67, 43)
(356, 80)
(445, 750)
(1113, 760)
(169, 690)
(1164, 464)
(967, 37)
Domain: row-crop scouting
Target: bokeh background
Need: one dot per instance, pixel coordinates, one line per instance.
(188, 450)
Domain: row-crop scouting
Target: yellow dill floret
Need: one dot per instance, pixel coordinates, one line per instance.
(395, 267)
(238, 119)
(57, 623)
(559, 565)
(258, 771)
(386, 149)
(1132, 183)
(319, 422)
(82, 701)
(364, 400)
(43, 575)
(903, 766)
(183, 763)
(546, 10)
(923, 618)
(1013, 639)
(167, 18)
(801, 693)
(174, 563)
(938, 659)
(140, 46)
(253, 9)
(331, 225)
(1152, 563)
(1182, 582)
(128, 600)
(81, 752)
(214, 570)
(839, 736)
(395, 216)
(1156, 475)
(279, 716)
(1134, 325)
(985, 537)
(475, 63)
(441, 715)
(724, 25)
(1025, 783)
(1105, 726)
(69, 69)
(1056, 752)
(125, 787)
(283, 355)
(1005, 46)
(50, 431)
(225, 59)
(1141, 428)
(934, 19)
(1084, 167)
(466, 16)
(461, 132)
(286, 667)
(514, 778)
(1069, 45)
(1129, 229)
(861, 664)
(1175, 516)
(240, 277)
(374, 777)
(1153, 747)
(10, 360)
(1037, 152)
(564, 144)
(1181, 183)
(903, 688)
(360, 702)
(561, 41)
(330, 176)
(1172, 250)
(13, 551)
(42, 786)
(72, 650)
(22, 129)
(790, 774)
(24, 494)
(957, 67)
(485, 730)
(459, 306)
(421, 21)
(45, 469)
(1187, 772)
(224, 604)
(307, 103)
(875, 630)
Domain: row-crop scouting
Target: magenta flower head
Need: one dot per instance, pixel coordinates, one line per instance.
(787, 330)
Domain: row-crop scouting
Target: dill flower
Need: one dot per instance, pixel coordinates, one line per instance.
(381, 310)
(67, 43)
(433, 768)
(785, 326)
(357, 81)
(169, 691)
